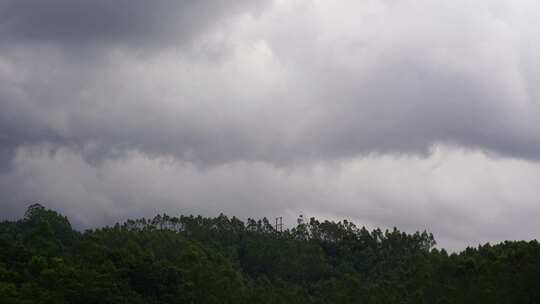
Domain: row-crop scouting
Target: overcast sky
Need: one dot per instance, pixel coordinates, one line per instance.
(407, 113)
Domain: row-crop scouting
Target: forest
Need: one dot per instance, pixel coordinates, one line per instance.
(195, 259)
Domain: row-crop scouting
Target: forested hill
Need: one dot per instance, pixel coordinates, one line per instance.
(190, 259)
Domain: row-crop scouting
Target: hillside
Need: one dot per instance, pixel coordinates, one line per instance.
(191, 259)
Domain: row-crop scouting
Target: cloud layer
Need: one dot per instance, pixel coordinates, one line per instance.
(130, 23)
(246, 98)
(463, 197)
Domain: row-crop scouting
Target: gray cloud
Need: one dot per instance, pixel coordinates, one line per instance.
(297, 83)
(250, 96)
(132, 23)
(464, 197)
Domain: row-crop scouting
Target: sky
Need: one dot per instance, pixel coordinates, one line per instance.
(407, 113)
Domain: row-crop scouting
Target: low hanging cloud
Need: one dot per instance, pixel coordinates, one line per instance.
(464, 197)
(233, 89)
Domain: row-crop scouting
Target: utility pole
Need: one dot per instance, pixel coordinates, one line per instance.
(279, 224)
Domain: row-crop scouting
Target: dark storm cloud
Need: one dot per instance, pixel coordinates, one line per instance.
(408, 108)
(397, 88)
(134, 23)
(47, 60)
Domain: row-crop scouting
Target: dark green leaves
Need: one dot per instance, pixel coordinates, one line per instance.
(191, 259)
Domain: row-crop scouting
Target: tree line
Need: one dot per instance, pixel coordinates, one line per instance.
(195, 259)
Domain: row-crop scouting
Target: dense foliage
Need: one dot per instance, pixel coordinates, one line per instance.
(190, 259)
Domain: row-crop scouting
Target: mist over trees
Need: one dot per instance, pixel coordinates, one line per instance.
(193, 259)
